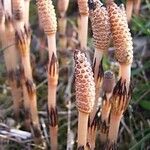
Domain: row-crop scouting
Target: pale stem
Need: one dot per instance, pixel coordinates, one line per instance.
(27, 66)
(26, 16)
(34, 112)
(19, 24)
(125, 73)
(98, 57)
(108, 95)
(51, 95)
(136, 6)
(51, 45)
(7, 6)
(83, 32)
(129, 9)
(114, 127)
(92, 137)
(53, 137)
(82, 128)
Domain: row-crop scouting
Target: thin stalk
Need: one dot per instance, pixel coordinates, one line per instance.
(7, 6)
(26, 15)
(18, 12)
(83, 30)
(129, 9)
(82, 124)
(52, 88)
(136, 7)
(48, 21)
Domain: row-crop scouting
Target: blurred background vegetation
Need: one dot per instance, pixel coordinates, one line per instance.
(135, 128)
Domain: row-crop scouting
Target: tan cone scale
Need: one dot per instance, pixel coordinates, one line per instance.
(120, 33)
(84, 83)
(100, 26)
(47, 16)
(83, 7)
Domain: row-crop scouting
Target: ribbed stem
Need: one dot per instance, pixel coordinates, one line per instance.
(114, 127)
(136, 7)
(82, 128)
(83, 31)
(26, 16)
(125, 73)
(52, 88)
(7, 6)
(129, 9)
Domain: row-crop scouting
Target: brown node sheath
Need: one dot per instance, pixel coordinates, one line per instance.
(119, 101)
(52, 117)
(53, 67)
(81, 148)
(30, 87)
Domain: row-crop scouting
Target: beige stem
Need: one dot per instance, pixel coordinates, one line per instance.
(53, 137)
(98, 57)
(82, 128)
(52, 88)
(129, 9)
(51, 45)
(83, 31)
(26, 17)
(27, 67)
(114, 127)
(92, 136)
(125, 73)
(52, 95)
(108, 95)
(7, 6)
(136, 6)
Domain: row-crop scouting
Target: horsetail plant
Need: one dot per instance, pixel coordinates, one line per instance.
(83, 23)
(122, 40)
(124, 55)
(85, 94)
(101, 34)
(48, 19)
